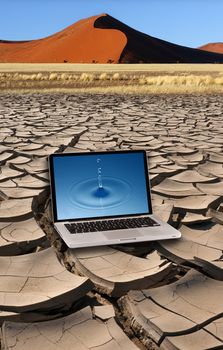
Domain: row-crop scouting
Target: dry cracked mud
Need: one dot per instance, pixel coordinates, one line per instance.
(157, 295)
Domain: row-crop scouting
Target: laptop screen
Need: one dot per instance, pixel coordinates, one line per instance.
(97, 185)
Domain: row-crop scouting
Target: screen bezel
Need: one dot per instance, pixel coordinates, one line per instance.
(53, 192)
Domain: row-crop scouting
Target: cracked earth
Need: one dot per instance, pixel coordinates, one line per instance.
(156, 295)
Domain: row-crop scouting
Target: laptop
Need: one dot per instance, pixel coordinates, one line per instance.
(103, 198)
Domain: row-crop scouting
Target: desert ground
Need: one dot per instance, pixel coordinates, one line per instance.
(160, 295)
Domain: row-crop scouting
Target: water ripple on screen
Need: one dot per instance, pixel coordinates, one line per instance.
(88, 195)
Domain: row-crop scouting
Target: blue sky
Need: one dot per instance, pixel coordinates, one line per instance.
(185, 22)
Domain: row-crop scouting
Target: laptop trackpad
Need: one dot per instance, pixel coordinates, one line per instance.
(122, 235)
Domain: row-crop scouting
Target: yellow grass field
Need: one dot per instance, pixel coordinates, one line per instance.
(112, 78)
(72, 67)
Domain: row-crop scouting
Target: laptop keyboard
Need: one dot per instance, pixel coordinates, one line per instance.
(107, 225)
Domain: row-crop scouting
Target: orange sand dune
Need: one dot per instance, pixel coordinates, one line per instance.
(102, 39)
(143, 48)
(78, 43)
(213, 47)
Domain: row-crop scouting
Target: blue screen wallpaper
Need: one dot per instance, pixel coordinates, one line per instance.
(89, 186)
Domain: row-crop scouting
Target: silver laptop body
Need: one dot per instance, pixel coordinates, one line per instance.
(98, 189)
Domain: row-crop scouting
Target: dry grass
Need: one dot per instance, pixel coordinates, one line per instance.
(135, 90)
(72, 67)
(114, 82)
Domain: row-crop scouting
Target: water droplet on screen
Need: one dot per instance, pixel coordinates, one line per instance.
(99, 173)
